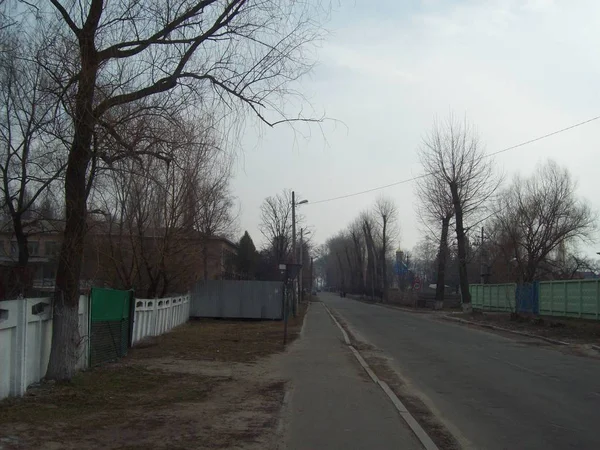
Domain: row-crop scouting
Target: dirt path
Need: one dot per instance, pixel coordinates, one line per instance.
(208, 384)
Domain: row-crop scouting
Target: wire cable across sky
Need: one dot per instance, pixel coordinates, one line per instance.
(408, 180)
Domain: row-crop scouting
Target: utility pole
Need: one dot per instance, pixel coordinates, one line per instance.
(294, 292)
(482, 270)
(301, 272)
(312, 274)
(294, 249)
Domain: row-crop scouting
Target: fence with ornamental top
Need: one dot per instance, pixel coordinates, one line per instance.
(110, 321)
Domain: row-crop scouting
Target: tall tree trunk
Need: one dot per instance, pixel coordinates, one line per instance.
(22, 241)
(360, 276)
(441, 271)
(205, 258)
(350, 269)
(22, 278)
(341, 270)
(462, 248)
(65, 328)
(65, 331)
(383, 264)
(371, 257)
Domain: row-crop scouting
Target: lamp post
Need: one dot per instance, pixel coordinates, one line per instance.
(300, 280)
(294, 250)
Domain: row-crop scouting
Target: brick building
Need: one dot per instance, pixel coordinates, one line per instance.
(119, 260)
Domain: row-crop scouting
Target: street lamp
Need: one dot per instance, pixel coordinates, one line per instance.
(301, 202)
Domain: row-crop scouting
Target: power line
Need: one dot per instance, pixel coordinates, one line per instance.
(370, 190)
(408, 180)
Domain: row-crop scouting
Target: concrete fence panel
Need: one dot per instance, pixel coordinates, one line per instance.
(25, 340)
(157, 316)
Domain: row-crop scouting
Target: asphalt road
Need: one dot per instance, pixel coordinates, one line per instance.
(496, 392)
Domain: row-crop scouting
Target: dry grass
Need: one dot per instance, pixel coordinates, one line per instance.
(192, 388)
(222, 340)
(563, 329)
(112, 388)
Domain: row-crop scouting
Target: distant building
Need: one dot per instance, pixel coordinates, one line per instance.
(107, 254)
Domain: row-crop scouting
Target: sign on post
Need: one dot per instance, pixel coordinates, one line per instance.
(417, 284)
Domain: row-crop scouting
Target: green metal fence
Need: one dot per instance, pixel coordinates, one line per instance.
(110, 324)
(572, 298)
(493, 297)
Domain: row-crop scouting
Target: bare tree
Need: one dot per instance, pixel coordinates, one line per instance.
(31, 159)
(435, 208)
(107, 55)
(276, 224)
(159, 212)
(425, 260)
(356, 235)
(369, 227)
(453, 155)
(387, 216)
(538, 215)
(338, 269)
(214, 204)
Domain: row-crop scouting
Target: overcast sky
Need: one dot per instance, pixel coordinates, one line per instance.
(517, 69)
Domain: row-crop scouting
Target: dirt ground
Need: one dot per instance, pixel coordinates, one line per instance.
(575, 331)
(208, 384)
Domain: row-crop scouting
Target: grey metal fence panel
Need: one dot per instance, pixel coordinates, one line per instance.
(236, 299)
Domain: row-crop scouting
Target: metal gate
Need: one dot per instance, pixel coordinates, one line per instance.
(527, 298)
(237, 299)
(111, 325)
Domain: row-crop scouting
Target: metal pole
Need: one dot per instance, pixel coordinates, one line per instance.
(481, 269)
(285, 313)
(312, 275)
(294, 293)
(300, 272)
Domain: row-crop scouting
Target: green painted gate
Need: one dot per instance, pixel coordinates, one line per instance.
(111, 324)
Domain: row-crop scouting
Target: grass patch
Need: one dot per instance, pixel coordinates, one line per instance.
(222, 340)
(161, 396)
(566, 329)
(108, 389)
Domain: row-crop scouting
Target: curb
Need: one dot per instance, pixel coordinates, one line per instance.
(506, 330)
(344, 334)
(304, 321)
(416, 428)
(390, 306)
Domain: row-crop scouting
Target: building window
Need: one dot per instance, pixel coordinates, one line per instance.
(34, 248)
(3, 251)
(49, 271)
(51, 248)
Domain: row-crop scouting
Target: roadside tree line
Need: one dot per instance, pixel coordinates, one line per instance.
(360, 258)
(485, 231)
(122, 109)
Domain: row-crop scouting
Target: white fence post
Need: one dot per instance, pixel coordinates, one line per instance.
(154, 320)
(20, 374)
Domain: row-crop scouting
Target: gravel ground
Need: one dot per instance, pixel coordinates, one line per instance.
(207, 384)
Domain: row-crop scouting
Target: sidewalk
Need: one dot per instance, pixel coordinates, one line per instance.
(333, 403)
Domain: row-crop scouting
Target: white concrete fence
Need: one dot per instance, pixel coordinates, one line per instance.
(157, 316)
(25, 337)
(26, 333)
